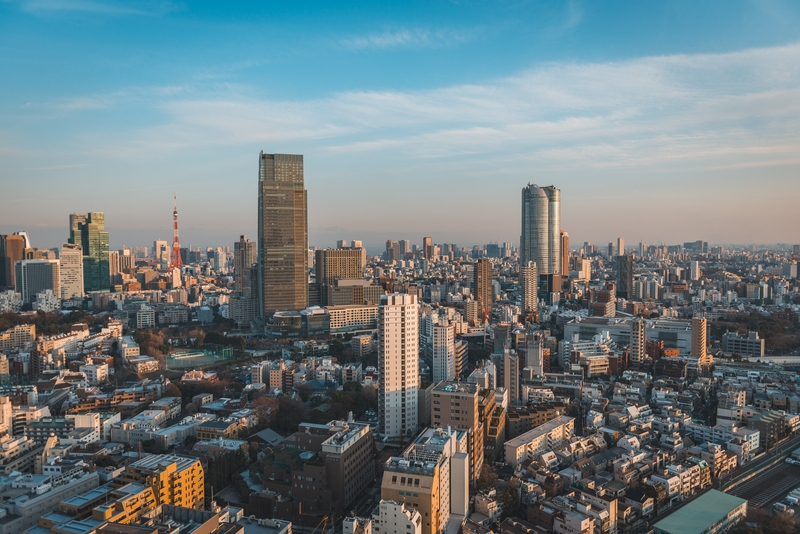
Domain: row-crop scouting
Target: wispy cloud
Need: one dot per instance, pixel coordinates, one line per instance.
(59, 167)
(104, 7)
(408, 38)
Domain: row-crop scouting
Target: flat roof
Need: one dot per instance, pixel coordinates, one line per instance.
(697, 516)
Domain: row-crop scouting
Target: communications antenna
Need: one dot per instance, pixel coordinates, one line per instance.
(175, 261)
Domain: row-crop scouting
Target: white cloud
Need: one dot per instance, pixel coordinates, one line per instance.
(407, 38)
(108, 7)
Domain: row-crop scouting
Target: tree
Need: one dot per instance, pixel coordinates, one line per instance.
(487, 477)
(105, 461)
(266, 409)
(191, 408)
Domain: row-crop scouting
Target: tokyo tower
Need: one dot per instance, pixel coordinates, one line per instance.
(175, 261)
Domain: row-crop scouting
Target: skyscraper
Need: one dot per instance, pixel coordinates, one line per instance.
(89, 231)
(540, 239)
(71, 271)
(333, 264)
(564, 270)
(12, 250)
(282, 233)
(161, 252)
(621, 246)
(398, 364)
(244, 257)
(624, 276)
(529, 290)
(427, 248)
(34, 276)
(482, 286)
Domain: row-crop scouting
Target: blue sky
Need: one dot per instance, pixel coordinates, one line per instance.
(662, 122)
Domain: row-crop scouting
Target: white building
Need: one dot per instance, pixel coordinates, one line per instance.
(398, 365)
(393, 517)
(47, 301)
(71, 259)
(95, 373)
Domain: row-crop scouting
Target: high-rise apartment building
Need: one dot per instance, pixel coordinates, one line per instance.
(71, 271)
(638, 344)
(398, 364)
(35, 276)
(334, 264)
(444, 351)
(455, 404)
(624, 276)
(482, 286)
(564, 253)
(540, 240)
(282, 233)
(244, 257)
(511, 375)
(89, 231)
(12, 250)
(699, 336)
(621, 246)
(529, 290)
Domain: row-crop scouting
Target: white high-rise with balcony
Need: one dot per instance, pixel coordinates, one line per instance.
(444, 351)
(71, 271)
(398, 364)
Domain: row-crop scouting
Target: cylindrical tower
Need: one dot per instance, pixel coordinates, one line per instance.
(535, 227)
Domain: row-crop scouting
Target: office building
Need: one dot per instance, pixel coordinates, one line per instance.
(89, 231)
(12, 250)
(621, 246)
(427, 248)
(444, 351)
(34, 276)
(71, 271)
(161, 253)
(528, 289)
(431, 476)
(564, 253)
(638, 344)
(750, 345)
(398, 365)
(482, 286)
(392, 254)
(282, 233)
(456, 405)
(624, 286)
(245, 257)
(333, 266)
(540, 239)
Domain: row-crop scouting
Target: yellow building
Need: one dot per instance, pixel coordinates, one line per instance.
(174, 479)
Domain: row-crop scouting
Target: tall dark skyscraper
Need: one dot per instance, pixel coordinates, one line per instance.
(625, 276)
(540, 239)
(244, 257)
(89, 231)
(282, 233)
(12, 250)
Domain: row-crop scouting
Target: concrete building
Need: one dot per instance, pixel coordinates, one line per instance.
(624, 267)
(482, 286)
(71, 271)
(431, 476)
(88, 231)
(444, 351)
(749, 346)
(175, 480)
(638, 341)
(282, 233)
(547, 437)
(34, 276)
(455, 405)
(398, 365)
(331, 265)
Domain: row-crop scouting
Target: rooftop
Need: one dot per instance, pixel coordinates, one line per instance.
(700, 514)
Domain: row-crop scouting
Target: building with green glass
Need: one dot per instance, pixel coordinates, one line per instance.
(89, 231)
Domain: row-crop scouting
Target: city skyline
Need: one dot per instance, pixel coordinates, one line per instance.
(696, 124)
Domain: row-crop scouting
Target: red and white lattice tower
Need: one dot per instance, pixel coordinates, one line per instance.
(175, 261)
